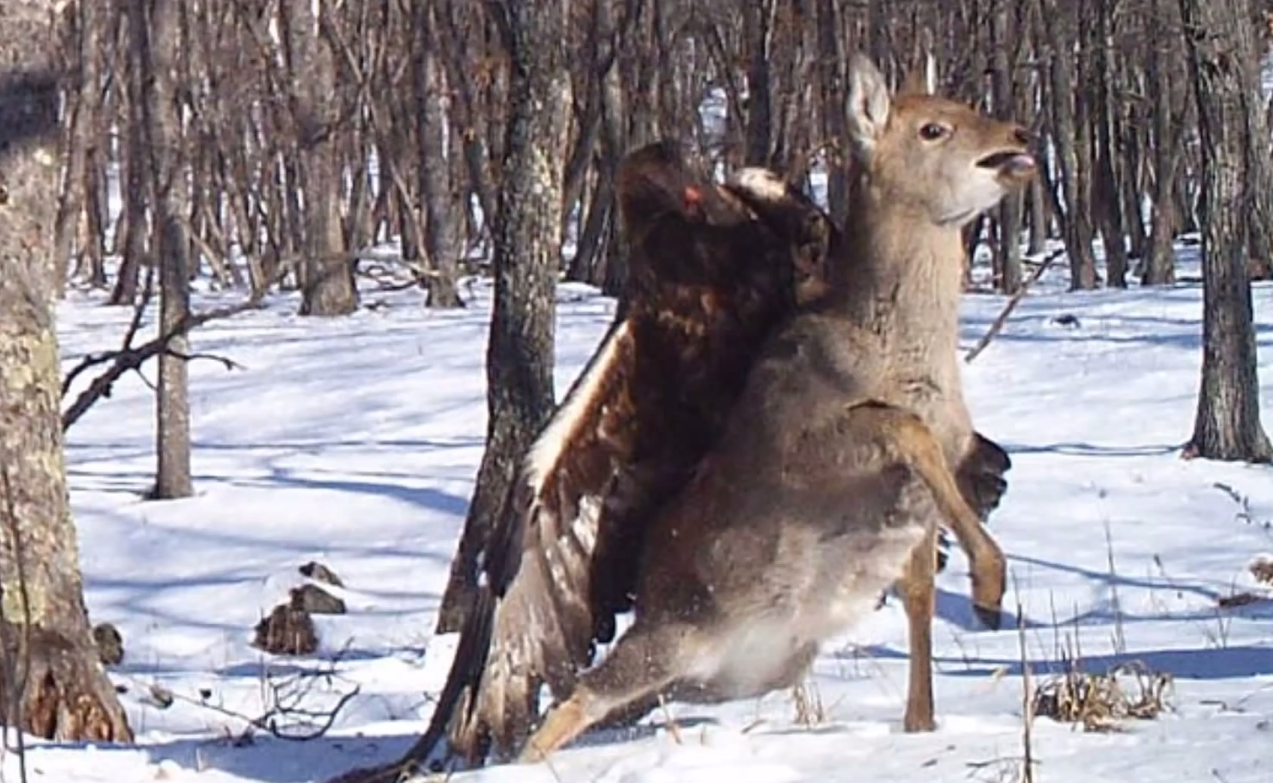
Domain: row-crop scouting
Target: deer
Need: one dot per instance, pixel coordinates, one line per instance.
(833, 472)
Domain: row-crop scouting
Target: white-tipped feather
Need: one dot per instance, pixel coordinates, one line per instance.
(761, 183)
(547, 448)
(585, 525)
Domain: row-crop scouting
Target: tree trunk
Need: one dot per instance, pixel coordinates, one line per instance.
(1133, 182)
(757, 32)
(133, 183)
(612, 274)
(329, 279)
(1069, 134)
(831, 83)
(527, 245)
(466, 115)
(1101, 111)
(51, 684)
(1008, 248)
(82, 105)
(1038, 218)
(1259, 173)
(437, 145)
(592, 250)
(157, 37)
(1160, 265)
(604, 116)
(1217, 38)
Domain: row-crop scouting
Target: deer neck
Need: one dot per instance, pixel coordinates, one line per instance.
(901, 277)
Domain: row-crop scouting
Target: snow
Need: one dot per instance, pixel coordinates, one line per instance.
(355, 442)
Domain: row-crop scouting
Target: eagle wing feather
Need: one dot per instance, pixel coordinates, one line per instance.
(707, 280)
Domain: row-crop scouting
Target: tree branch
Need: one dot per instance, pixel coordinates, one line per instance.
(129, 358)
(1015, 300)
(93, 360)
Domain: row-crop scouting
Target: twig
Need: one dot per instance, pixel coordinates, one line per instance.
(128, 358)
(673, 727)
(285, 705)
(1011, 305)
(1120, 639)
(139, 312)
(224, 361)
(1027, 703)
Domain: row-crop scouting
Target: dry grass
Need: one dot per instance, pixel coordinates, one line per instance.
(810, 710)
(1102, 702)
(673, 726)
(1099, 702)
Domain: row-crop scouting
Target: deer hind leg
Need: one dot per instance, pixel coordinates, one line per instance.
(918, 598)
(645, 661)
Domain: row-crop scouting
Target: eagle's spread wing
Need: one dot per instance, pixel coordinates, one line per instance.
(708, 278)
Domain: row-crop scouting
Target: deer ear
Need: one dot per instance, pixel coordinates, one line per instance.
(869, 103)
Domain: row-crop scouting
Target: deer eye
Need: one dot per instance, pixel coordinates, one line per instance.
(932, 131)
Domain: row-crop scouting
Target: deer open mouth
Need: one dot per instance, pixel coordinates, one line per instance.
(1010, 162)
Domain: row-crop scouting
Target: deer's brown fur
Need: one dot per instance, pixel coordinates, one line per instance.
(833, 470)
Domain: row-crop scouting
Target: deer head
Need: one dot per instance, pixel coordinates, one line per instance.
(931, 156)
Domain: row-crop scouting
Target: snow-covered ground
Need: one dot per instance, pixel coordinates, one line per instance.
(355, 442)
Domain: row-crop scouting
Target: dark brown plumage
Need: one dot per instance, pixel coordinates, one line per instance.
(708, 280)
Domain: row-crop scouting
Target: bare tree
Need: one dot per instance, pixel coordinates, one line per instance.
(1218, 39)
(1161, 65)
(442, 208)
(157, 38)
(1069, 127)
(833, 94)
(82, 96)
(1010, 213)
(51, 683)
(1103, 114)
(132, 228)
(527, 234)
(758, 20)
(328, 282)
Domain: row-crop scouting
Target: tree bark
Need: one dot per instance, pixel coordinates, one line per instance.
(1008, 248)
(437, 145)
(612, 274)
(1160, 265)
(81, 134)
(1259, 170)
(1101, 111)
(51, 683)
(157, 36)
(831, 83)
(1038, 218)
(329, 279)
(133, 182)
(1069, 134)
(527, 245)
(1217, 37)
(757, 32)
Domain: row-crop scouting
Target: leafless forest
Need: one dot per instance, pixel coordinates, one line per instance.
(274, 146)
